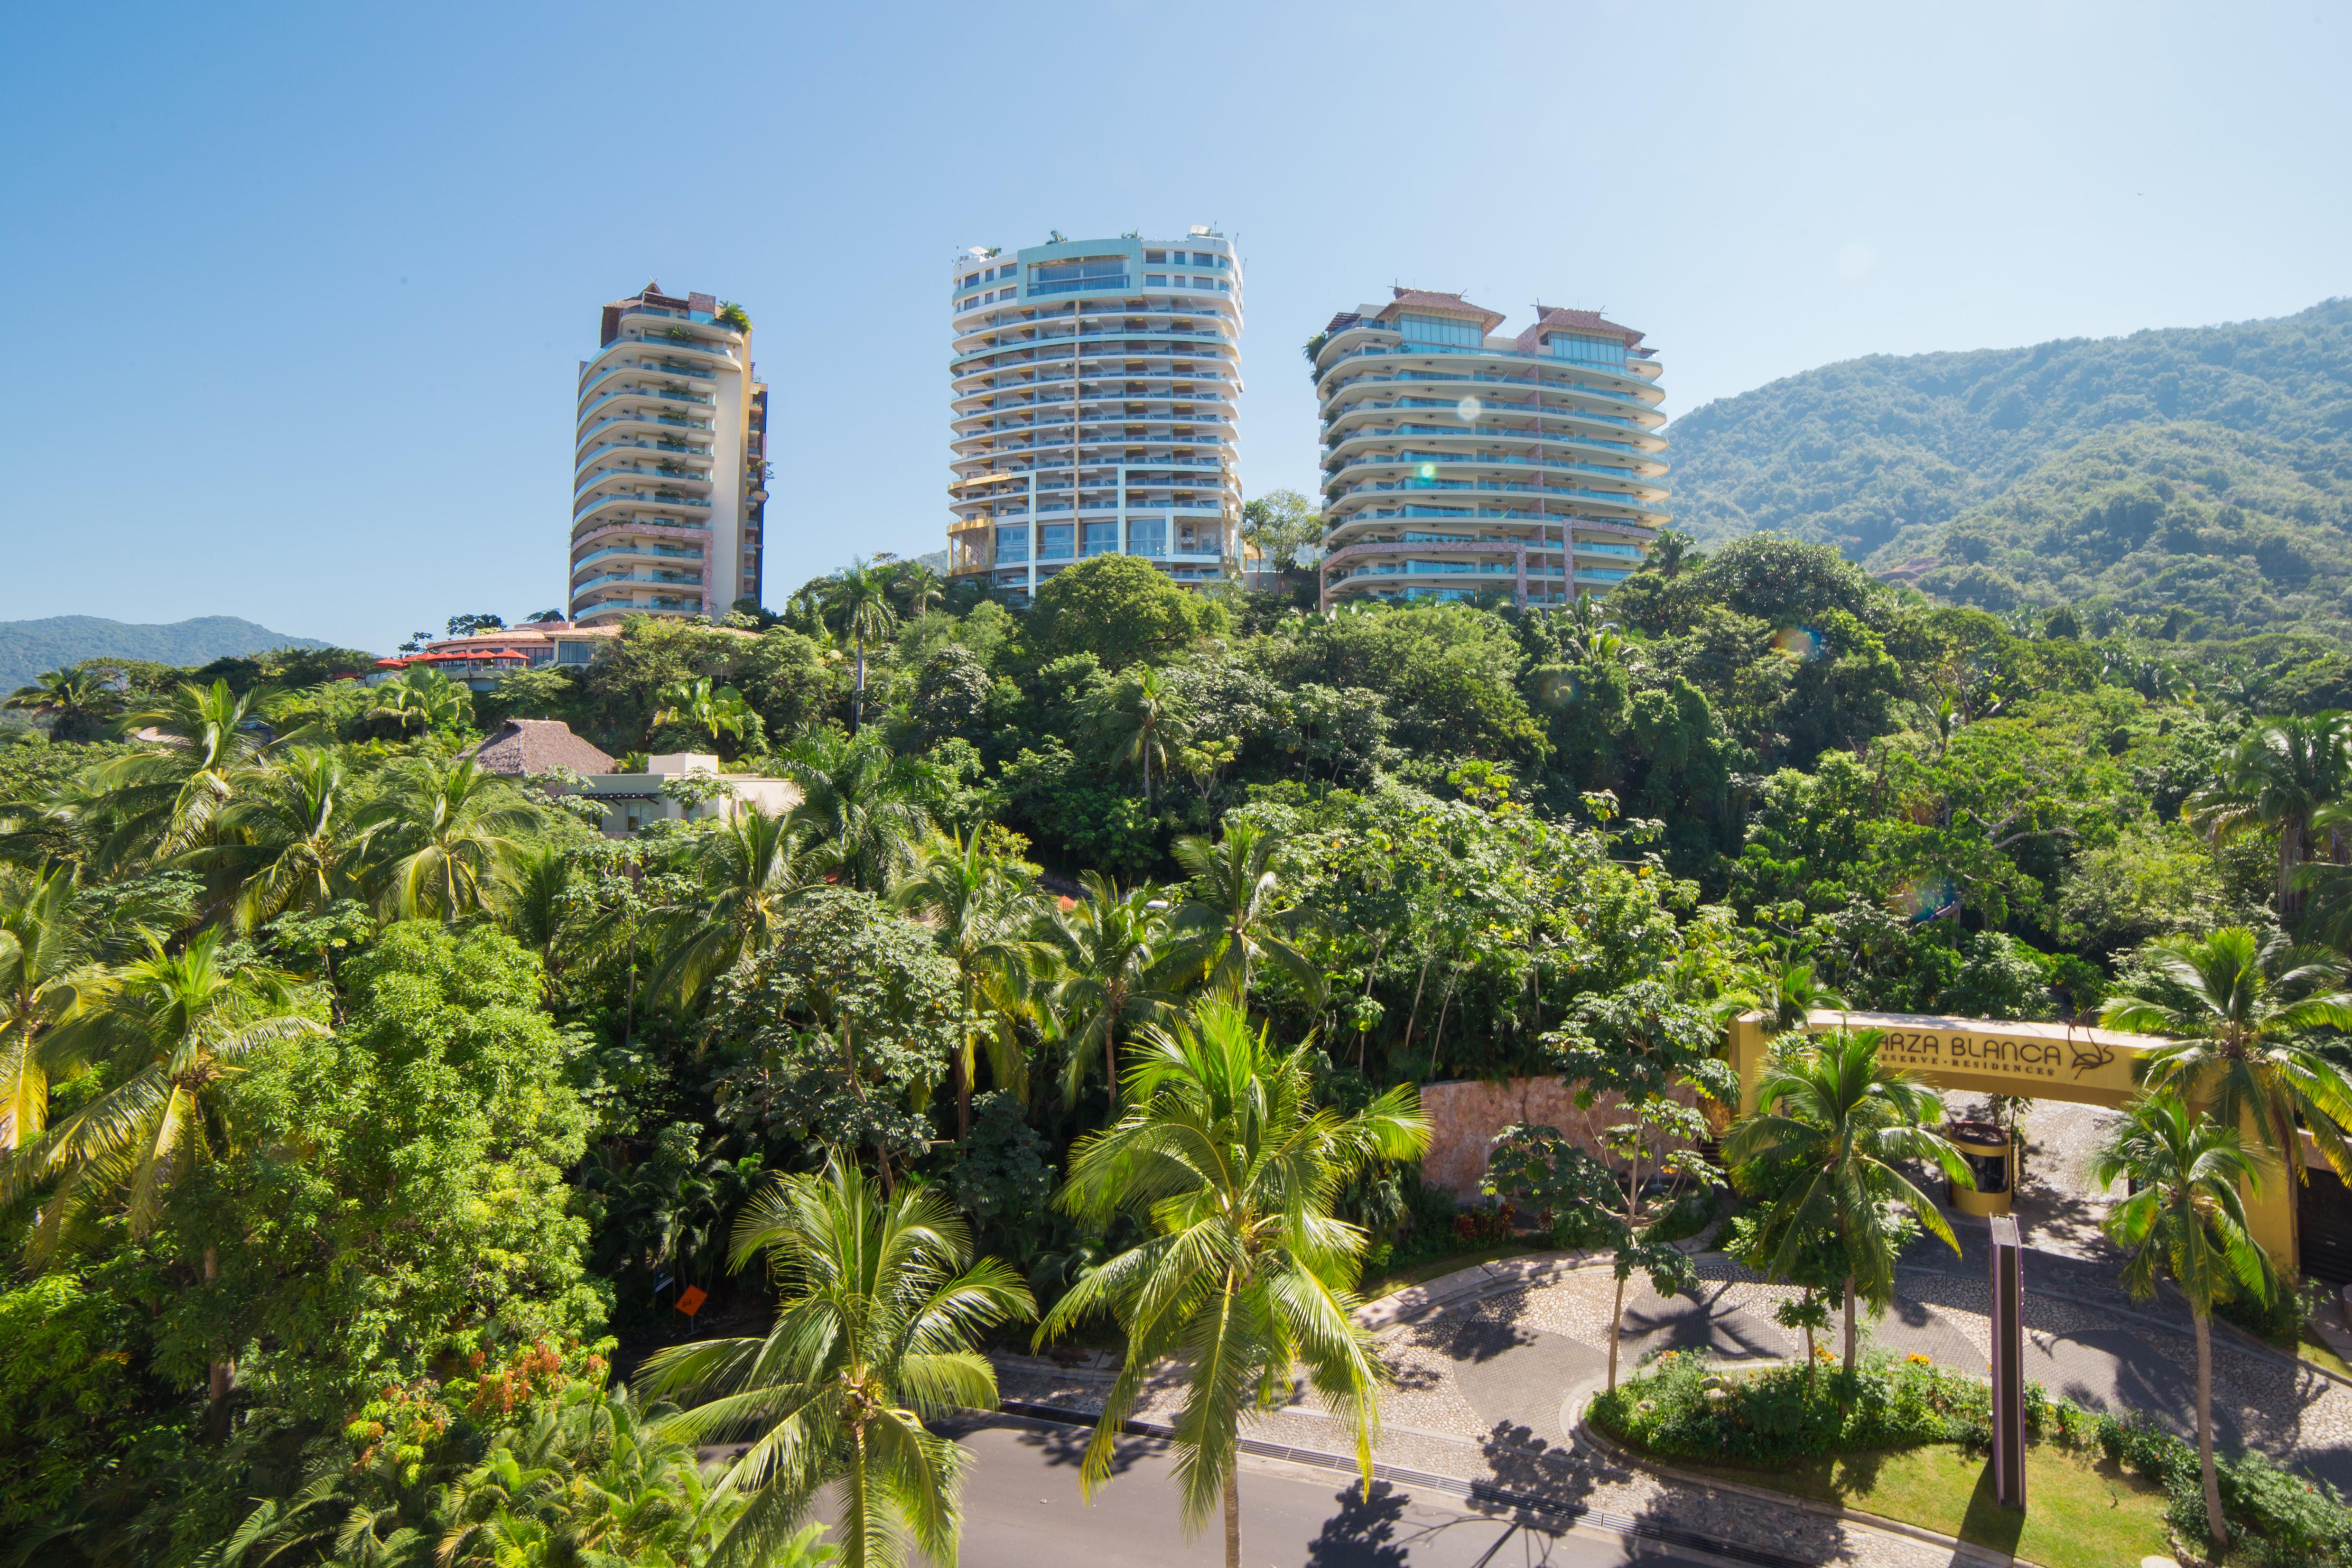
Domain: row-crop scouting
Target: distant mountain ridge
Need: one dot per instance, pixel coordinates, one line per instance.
(30, 647)
(2206, 469)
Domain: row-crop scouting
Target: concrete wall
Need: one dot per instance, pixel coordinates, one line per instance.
(1464, 1118)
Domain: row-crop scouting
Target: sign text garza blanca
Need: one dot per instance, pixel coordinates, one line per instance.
(1997, 1055)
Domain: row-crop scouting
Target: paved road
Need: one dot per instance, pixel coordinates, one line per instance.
(1022, 1510)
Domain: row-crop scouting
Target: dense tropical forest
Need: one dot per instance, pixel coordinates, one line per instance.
(2197, 479)
(364, 1110)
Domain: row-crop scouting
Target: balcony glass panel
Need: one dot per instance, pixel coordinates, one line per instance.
(1012, 543)
(1056, 541)
(1147, 536)
(1101, 538)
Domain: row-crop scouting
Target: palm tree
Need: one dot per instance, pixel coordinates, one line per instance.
(1142, 715)
(1107, 948)
(872, 1339)
(1793, 993)
(2275, 780)
(2245, 1007)
(1830, 1125)
(751, 868)
(423, 699)
(1247, 1277)
(541, 902)
(859, 594)
(172, 789)
(977, 909)
(77, 702)
(711, 712)
(450, 832)
(48, 970)
(174, 1026)
(2185, 1211)
(282, 841)
(862, 805)
(922, 587)
(1230, 923)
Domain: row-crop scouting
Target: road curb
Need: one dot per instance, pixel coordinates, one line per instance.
(1583, 1432)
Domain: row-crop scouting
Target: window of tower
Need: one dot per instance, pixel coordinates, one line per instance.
(1584, 350)
(1441, 332)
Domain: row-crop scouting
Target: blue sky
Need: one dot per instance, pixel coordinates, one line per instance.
(300, 292)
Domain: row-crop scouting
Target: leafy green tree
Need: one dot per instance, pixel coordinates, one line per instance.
(1247, 1277)
(1120, 607)
(398, 1195)
(2185, 1212)
(1832, 1123)
(865, 808)
(1234, 918)
(749, 869)
(49, 969)
(2241, 1013)
(1637, 1047)
(981, 909)
(446, 834)
(1106, 950)
(2274, 780)
(881, 1301)
(77, 701)
(838, 1031)
(705, 712)
(858, 598)
(1280, 524)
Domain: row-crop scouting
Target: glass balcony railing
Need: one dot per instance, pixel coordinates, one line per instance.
(667, 551)
(668, 580)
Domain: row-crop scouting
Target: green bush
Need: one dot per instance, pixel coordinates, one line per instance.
(1677, 1407)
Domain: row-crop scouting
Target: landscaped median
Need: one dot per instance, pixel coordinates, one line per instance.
(1904, 1439)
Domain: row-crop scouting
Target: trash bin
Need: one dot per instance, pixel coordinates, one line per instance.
(1987, 1149)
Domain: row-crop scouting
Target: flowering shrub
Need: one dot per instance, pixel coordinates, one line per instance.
(1483, 1227)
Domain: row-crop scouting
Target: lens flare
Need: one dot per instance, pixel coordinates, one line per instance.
(1801, 643)
(1925, 898)
(1470, 408)
(1428, 471)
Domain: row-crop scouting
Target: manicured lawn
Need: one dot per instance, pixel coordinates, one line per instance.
(2080, 1510)
(1387, 1282)
(2311, 1350)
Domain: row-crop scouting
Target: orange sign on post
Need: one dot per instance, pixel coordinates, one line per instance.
(691, 1300)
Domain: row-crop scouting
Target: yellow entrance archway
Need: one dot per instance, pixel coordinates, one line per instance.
(2040, 1060)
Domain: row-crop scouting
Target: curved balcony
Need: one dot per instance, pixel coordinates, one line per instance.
(653, 476)
(639, 552)
(607, 503)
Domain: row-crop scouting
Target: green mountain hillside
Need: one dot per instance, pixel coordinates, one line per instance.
(30, 647)
(2204, 469)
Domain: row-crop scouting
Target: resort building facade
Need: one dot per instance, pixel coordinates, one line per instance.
(1093, 408)
(669, 466)
(1457, 463)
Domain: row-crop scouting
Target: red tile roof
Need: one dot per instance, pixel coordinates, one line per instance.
(1428, 301)
(1590, 322)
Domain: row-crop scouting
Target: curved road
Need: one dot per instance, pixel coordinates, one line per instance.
(1022, 1510)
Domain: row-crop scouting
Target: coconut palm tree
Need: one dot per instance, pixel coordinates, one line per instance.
(168, 793)
(2240, 1021)
(1231, 923)
(1107, 952)
(77, 702)
(980, 910)
(422, 700)
(48, 971)
(1793, 992)
(173, 1026)
(858, 596)
(447, 835)
(862, 806)
(872, 1339)
(713, 712)
(2185, 1212)
(1142, 716)
(751, 868)
(1246, 1278)
(286, 839)
(1822, 1148)
(2274, 779)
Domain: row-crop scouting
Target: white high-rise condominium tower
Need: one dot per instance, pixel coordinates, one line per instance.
(1093, 412)
(1457, 462)
(669, 468)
